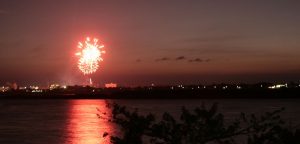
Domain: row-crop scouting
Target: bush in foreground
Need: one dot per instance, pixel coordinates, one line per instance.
(200, 126)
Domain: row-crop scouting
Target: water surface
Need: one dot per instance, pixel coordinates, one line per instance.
(76, 121)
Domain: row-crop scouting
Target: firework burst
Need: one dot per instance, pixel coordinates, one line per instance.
(89, 54)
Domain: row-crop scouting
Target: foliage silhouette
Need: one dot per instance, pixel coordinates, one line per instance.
(200, 126)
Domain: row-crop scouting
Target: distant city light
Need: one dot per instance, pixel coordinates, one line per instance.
(4, 89)
(181, 86)
(224, 87)
(22, 88)
(34, 87)
(277, 86)
(54, 86)
(37, 91)
(111, 85)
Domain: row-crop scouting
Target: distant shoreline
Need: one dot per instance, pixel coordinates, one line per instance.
(161, 94)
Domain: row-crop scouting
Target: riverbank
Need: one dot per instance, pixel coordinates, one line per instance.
(158, 94)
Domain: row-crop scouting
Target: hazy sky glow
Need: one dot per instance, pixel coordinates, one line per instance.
(157, 41)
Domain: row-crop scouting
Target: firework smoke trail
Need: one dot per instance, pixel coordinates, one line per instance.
(89, 56)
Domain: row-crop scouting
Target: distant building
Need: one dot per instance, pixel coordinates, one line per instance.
(22, 88)
(111, 85)
(4, 89)
(12, 86)
(34, 87)
(278, 86)
(54, 86)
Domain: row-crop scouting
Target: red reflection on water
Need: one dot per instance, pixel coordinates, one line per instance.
(84, 126)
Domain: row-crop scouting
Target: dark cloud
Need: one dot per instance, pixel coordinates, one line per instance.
(220, 49)
(181, 58)
(196, 60)
(138, 60)
(226, 44)
(199, 60)
(162, 59)
(207, 60)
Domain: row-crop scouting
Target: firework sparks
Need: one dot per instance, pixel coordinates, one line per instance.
(89, 55)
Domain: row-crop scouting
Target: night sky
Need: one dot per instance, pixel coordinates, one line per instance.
(151, 41)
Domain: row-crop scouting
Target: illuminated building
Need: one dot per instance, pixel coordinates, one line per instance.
(4, 89)
(54, 86)
(111, 85)
(277, 86)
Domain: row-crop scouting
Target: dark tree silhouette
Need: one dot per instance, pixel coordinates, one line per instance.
(200, 126)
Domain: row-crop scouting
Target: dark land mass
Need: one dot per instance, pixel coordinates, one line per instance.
(153, 93)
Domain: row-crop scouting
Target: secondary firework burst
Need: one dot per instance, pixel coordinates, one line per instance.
(90, 54)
